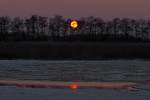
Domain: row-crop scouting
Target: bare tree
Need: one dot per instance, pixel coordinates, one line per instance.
(116, 25)
(42, 21)
(57, 26)
(17, 28)
(4, 27)
(125, 26)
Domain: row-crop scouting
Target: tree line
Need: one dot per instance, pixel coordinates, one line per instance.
(39, 28)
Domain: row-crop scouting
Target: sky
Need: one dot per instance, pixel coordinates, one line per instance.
(106, 9)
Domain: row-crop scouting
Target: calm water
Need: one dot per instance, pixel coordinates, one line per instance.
(13, 93)
(111, 70)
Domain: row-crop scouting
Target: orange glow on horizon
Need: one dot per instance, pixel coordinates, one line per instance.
(73, 86)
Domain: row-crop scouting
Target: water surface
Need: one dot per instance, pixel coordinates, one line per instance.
(109, 70)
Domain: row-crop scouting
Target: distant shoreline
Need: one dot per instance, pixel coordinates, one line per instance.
(71, 85)
(74, 50)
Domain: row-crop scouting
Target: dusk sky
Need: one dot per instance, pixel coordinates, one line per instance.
(77, 8)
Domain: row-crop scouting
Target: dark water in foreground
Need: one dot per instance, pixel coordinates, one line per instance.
(13, 93)
(111, 70)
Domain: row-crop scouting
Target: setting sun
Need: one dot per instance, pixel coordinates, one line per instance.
(74, 24)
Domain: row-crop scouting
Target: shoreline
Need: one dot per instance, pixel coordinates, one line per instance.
(71, 85)
(74, 50)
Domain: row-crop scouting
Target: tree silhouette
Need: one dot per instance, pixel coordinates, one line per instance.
(4, 27)
(17, 28)
(125, 27)
(42, 24)
(57, 29)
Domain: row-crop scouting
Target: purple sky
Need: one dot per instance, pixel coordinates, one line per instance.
(77, 8)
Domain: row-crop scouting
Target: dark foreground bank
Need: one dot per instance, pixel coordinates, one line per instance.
(73, 50)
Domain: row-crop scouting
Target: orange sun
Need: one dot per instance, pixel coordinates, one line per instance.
(74, 24)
